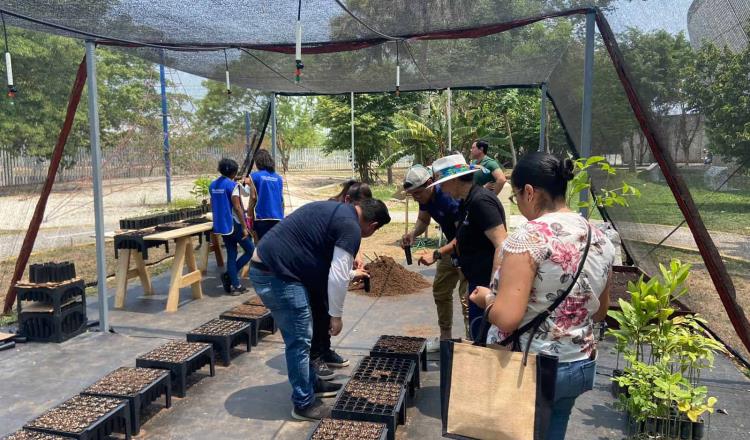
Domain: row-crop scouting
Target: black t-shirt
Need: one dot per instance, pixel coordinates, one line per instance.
(480, 211)
(300, 247)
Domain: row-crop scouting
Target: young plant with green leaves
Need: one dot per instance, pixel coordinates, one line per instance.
(603, 197)
(200, 187)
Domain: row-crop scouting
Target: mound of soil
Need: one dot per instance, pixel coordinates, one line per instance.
(389, 278)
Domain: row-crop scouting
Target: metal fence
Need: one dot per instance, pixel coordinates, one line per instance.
(315, 159)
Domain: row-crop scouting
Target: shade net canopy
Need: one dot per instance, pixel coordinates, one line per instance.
(355, 46)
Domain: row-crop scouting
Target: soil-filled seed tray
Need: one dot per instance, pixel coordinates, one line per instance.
(182, 359)
(378, 402)
(259, 316)
(85, 418)
(403, 347)
(394, 370)
(140, 386)
(33, 435)
(223, 334)
(334, 429)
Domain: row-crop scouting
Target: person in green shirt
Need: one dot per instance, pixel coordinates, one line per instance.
(491, 175)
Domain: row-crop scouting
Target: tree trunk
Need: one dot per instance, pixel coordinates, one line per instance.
(631, 145)
(510, 139)
(390, 168)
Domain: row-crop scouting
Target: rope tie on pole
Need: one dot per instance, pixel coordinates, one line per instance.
(8, 64)
(298, 46)
(226, 71)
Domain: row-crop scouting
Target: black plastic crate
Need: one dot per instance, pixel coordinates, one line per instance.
(53, 327)
(180, 370)
(139, 399)
(116, 419)
(348, 407)
(418, 355)
(55, 295)
(223, 343)
(261, 321)
(25, 434)
(52, 272)
(320, 431)
(393, 370)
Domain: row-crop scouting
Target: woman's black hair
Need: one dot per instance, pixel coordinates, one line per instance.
(544, 171)
(357, 191)
(228, 167)
(264, 161)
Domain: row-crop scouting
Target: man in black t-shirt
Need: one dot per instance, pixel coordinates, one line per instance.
(311, 251)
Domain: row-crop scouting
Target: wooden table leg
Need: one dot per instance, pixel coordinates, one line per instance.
(217, 250)
(121, 277)
(140, 266)
(173, 299)
(205, 250)
(193, 270)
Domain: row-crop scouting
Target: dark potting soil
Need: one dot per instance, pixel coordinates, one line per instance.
(125, 381)
(333, 429)
(399, 344)
(219, 327)
(174, 351)
(75, 414)
(246, 311)
(620, 286)
(254, 301)
(378, 393)
(33, 435)
(389, 278)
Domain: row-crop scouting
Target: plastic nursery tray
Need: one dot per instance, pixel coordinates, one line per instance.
(152, 383)
(259, 316)
(134, 240)
(382, 369)
(350, 407)
(223, 334)
(51, 293)
(47, 326)
(114, 418)
(331, 429)
(24, 434)
(52, 272)
(200, 354)
(417, 351)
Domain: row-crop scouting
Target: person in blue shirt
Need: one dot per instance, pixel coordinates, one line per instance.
(434, 204)
(229, 222)
(311, 253)
(269, 208)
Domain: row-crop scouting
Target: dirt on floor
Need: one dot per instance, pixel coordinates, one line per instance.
(389, 278)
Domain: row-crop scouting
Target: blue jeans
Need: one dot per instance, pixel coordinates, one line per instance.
(475, 312)
(290, 308)
(234, 264)
(573, 379)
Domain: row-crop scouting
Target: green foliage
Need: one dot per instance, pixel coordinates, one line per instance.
(605, 198)
(295, 127)
(200, 187)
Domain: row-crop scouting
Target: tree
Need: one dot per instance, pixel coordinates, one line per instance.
(222, 116)
(295, 126)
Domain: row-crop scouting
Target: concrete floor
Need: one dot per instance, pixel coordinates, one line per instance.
(250, 399)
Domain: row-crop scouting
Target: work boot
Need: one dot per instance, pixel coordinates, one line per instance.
(237, 290)
(326, 389)
(322, 370)
(226, 282)
(318, 410)
(333, 360)
(433, 345)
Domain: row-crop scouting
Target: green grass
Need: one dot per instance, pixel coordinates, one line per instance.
(384, 191)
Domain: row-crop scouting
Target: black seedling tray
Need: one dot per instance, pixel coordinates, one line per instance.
(53, 327)
(134, 240)
(223, 343)
(25, 434)
(142, 399)
(181, 370)
(383, 435)
(151, 220)
(359, 409)
(116, 420)
(52, 294)
(402, 371)
(419, 356)
(264, 322)
(52, 272)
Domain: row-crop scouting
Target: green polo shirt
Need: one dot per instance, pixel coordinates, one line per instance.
(489, 165)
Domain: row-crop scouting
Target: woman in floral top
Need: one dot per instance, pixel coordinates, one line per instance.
(539, 261)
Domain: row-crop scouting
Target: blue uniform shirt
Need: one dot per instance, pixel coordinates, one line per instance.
(221, 204)
(270, 187)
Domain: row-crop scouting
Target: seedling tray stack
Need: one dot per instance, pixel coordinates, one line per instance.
(134, 240)
(139, 386)
(378, 402)
(52, 272)
(403, 347)
(85, 418)
(223, 334)
(392, 370)
(181, 359)
(151, 220)
(51, 312)
(259, 316)
(334, 429)
(33, 435)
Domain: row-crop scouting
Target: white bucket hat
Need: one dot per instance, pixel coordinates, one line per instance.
(450, 167)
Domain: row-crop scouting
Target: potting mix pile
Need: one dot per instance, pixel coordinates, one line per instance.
(378, 393)
(389, 278)
(33, 435)
(174, 351)
(219, 327)
(125, 381)
(620, 285)
(334, 429)
(76, 414)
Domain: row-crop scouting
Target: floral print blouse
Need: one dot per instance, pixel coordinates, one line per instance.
(556, 242)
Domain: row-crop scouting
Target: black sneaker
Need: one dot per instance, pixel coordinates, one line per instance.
(322, 370)
(318, 410)
(226, 282)
(333, 360)
(237, 290)
(326, 389)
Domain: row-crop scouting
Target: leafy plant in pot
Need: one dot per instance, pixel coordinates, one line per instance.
(665, 355)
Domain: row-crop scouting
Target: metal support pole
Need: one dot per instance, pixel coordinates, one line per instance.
(543, 117)
(247, 132)
(96, 166)
(450, 126)
(273, 127)
(588, 88)
(165, 128)
(354, 167)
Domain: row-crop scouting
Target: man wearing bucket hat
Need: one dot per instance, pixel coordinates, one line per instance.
(480, 229)
(435, 204)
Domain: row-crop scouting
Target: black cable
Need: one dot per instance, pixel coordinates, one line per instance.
(414, 60)
(226, 61)
(5, 31)
(360, 21)
(273, 70)
(299, 10)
